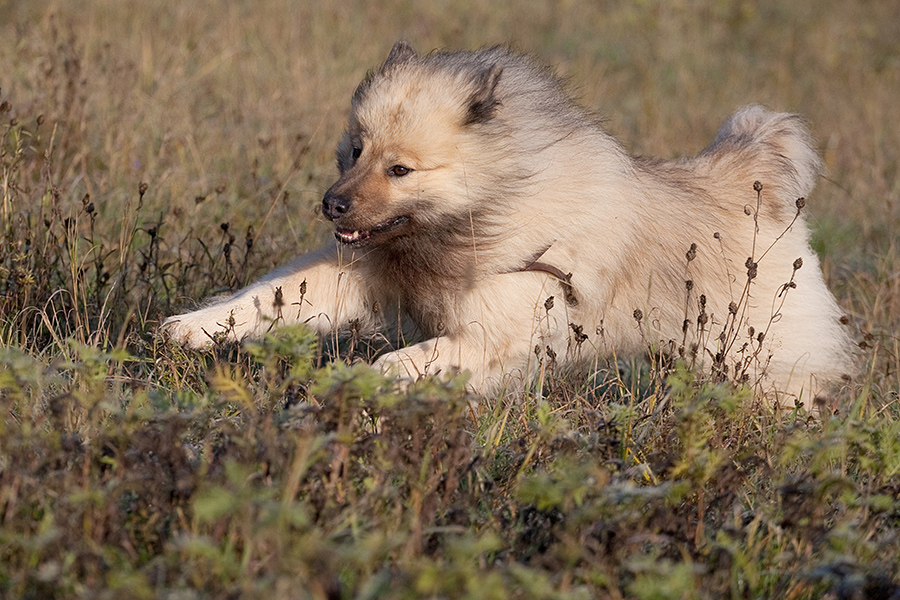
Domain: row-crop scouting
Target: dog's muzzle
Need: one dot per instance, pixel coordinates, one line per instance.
(334, 205)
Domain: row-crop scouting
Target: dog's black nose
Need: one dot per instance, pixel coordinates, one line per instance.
(334, 205)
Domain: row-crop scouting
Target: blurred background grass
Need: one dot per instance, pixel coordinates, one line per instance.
(233, 101)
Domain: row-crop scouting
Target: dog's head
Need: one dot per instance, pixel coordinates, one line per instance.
(414, 149)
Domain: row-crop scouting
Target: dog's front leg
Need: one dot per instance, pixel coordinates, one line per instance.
(319, 289)
(499, 326)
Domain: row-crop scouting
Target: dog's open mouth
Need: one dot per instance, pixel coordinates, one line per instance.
(356, 237)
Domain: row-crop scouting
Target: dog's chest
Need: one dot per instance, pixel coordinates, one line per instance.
(424, 289)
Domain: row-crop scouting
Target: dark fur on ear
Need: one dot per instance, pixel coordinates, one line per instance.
(401, 53)
(483, 103)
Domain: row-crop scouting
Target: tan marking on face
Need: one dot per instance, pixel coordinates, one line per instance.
(373, 199)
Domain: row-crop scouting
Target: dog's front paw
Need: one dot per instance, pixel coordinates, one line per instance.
(192, 332)
(400, 367)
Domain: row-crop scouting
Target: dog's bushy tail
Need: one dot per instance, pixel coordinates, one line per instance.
(775, 149)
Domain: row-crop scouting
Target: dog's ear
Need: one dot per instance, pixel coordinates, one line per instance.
(483, 103)
(401, 53)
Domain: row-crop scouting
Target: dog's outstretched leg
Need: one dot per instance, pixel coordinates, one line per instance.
(516, 314)
(320, 289)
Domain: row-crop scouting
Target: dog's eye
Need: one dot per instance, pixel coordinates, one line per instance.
(398, 171)
(356, 152)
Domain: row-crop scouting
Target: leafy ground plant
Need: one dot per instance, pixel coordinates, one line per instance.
(156, 154)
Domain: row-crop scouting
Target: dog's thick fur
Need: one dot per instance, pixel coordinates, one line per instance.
(472, 189)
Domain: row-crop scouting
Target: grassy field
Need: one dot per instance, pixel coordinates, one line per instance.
(152, 154)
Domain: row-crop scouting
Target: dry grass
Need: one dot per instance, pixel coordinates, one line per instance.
(153, 153)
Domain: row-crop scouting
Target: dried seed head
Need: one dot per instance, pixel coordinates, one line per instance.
(717, 235)
(702, 318)
(844, 320)
(761, 337)
(751, 268)
(638, 315)
(142, 189)
(691, 253)
(702, 301)
(798, 263)
(279, 298)
(689, 284)
(801, 202)
(224, 227)
(747, 210)
(548, 303)
(685, 325)
(757, 187)
(578, 330)
(732, 308)
(750, 331)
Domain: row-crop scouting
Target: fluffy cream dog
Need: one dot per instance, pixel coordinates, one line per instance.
(472, 189)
